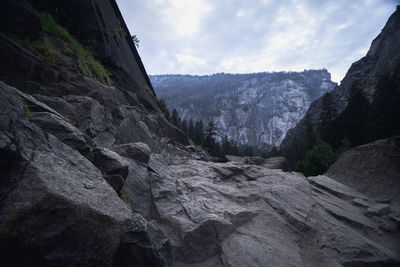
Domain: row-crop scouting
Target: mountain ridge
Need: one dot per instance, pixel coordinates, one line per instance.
(253, 109)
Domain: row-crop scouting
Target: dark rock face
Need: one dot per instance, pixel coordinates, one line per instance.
(382, 59)
(55, 207)
(59, 177)
(65, 132)
(52, 196)
(136, 151)
(143, 243)
(97, 24)
(17, 18)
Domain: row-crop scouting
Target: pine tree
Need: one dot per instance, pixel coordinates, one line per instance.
(191, 129)
(234, 148)
(175, 119)
(209, 142)
(226, 146)
(164, 109)
(184, 126)
(198, 133)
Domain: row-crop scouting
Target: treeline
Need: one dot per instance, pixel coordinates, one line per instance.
(204, 137)
(360, 122)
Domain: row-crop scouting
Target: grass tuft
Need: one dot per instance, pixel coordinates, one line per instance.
(25, 106)
(86, 62)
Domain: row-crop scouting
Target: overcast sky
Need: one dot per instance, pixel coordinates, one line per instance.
(242, 36)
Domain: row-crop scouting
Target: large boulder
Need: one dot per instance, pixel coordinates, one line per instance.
(144, 244)
(93, 119)
(113, 167)
(373, 169)
(55, 207)
(137, 151)
(63, 130)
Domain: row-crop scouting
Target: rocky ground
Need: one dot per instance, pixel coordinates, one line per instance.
(237, 214)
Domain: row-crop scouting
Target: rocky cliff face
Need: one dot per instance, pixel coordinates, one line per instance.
(251, 109)
(98, 25)
(73, 141)
(372, 85)
(92, 175)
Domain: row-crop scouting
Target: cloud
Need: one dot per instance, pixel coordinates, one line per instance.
(242, 36)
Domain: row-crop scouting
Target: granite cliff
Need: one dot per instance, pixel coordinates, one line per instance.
(250, 109)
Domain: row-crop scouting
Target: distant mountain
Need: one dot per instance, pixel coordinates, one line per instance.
(364, 108)
(251, 109)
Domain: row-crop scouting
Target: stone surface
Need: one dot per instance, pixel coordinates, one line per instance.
(236, 214)
(144, 244)
(270, 163)
(59, 105)
(55, 207)
(361, 202)
(373, 168)
(108, 161)
(276, 163)
(93, 119)
(63, 130)
(379, 209)
(136, 151)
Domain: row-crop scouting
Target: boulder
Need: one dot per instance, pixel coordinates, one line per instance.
(63, 130)
(55, 207)
(108, 161)
(59, 105)
(116, 181)
(144, 244)
(137, 151)
(360, 202)
(131, 128)
(93, 119)
(137, 189)
(379, 209)
(372, 169)
(276, 163)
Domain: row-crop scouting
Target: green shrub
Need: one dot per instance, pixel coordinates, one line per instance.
(124, 194)
(320, 157)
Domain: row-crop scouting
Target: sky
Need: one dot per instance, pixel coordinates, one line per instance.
(202, 37)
